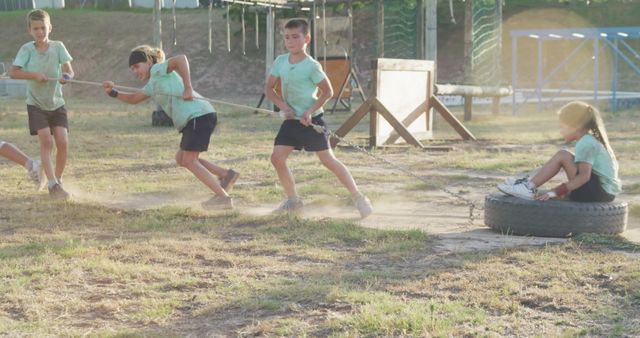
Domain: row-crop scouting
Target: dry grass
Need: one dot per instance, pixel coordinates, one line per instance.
(134, 255)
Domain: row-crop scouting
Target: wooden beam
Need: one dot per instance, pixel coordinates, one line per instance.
(351, 122)
(395, 123)
(451, 119)
(495, 106)
(408, 120)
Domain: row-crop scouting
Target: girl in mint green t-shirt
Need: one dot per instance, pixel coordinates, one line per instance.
(593, 169)
(169, 85)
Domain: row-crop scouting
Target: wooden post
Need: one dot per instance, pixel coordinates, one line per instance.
(421, 51)
(270, 43)
(495, 105)
(468, 42)
(380, 15)
(431, 33)
(468, 104)
(157, 24)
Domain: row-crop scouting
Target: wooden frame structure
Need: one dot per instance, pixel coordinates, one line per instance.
(404, 124)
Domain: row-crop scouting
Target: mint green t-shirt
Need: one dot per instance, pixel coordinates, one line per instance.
(299, 82)
(46, 96)
(179, 110)
(590, 150)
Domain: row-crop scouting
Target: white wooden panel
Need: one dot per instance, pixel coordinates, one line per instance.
(401, 88)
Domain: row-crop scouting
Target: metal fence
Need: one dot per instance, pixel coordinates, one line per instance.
(11, 5)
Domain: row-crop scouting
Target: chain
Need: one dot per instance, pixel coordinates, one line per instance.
(320, 129)
(472, 205)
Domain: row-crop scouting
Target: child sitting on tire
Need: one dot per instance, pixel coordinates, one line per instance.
(592, 171)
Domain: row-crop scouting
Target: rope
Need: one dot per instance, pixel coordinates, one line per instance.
(320, 129)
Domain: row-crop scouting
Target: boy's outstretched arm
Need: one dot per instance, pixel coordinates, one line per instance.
(17, 73)
(325, 95)
(131, 98)
(270, 93)
(180, 64)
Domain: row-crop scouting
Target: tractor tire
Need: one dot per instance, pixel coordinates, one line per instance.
(554, 218)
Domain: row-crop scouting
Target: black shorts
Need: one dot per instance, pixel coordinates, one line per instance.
(197, 133)
(591, 191)
(40, 119)
(295, 134)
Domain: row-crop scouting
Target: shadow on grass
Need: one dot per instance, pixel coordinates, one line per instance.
(370, 282)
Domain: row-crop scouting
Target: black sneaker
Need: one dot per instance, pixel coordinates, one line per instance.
(229, 180)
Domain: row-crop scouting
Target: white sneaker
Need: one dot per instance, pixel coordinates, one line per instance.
(218, 203)
(515, 180)
(36, 174)
(520, 189)
(364, 206)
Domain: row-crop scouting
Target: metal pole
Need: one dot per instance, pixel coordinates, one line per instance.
(244, 37)
(431, 34)
(596, 69)
(350, 16)
(210, 26)
(539, 77)
(257, 30)
(157, 24)
(324, 34)
(175, 28)
(498, 57)
(614, 79)
(514, 72)
(228, 29)
(314, 30)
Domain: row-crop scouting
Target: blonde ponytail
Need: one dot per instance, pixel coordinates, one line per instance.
(580, 114)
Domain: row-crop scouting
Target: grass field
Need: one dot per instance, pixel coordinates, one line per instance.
(134, 255)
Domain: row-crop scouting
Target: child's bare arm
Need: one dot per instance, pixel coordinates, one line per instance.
(584, 175)
(326, 95)
(270, 93)
(19, 74)
(180, 64)
(131, 98)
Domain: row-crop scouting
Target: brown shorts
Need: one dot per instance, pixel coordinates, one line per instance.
(40, 119)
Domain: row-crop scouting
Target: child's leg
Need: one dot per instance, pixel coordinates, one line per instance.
(190, 160)
(46, 144)
(279, 160)
(561, 160)
(14, 154)
(62, 140)
(214, 169)
(340, 170)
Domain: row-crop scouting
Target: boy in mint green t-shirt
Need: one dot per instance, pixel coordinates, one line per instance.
(302, 79)
(46, 65)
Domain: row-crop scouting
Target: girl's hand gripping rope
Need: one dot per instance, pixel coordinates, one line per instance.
(108, 88)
